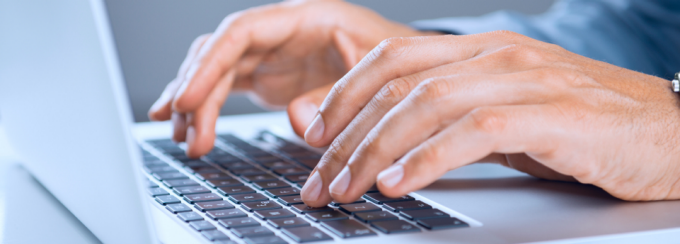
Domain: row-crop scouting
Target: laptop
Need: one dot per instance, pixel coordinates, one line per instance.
(66, 113)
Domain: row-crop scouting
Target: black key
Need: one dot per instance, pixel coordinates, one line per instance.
(201, 170)
(302, 153)
(184, 190)
(375, 216)
(252, 231)
(214, 205)
(292, 171)
(279, 165)
(359, 207)
(262, 205)
(178, 183)
(442, 223)
(189, 216)
(238, 222)
(394, 226)
(214, 235)
(281, 192)
(338, 204)
(301, 183)
(237, 166)
(290, 200)
(409, 205)
(226, 160)
(296, 178)
(271, 184)
(326, 216)
(309, 163)
(159, 169)
(250, 197)
(225, 214)
(424, 214)
(379, 198)
(306, 234)
(259, 178)
(265, 240)
(202, 225)
(193, 163)
(177, 207)
(224, 242)
(274, 214)
(348, 228)
(303, 208)
(233, 190)
(253, 171)
(213, 176)
(221, 183)
(156, 191)
(155, 162)
(205, 197)
(170, 176)
(167, 199)
(287, 222)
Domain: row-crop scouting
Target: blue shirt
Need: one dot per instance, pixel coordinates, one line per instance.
(641, 35)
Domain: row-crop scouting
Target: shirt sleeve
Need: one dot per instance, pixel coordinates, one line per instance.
(641, 35)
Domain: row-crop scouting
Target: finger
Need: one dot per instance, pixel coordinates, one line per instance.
(179, 127)
(433, 104)
(162, 108)
(533, 129)
(258, 29)
(301, 110)
(393, 58)
(201, 130)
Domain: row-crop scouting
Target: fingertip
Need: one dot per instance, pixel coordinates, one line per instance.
(198, 144)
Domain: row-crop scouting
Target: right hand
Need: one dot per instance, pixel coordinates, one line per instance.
(277, 52)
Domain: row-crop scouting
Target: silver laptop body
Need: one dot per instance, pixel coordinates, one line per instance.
(66, 113)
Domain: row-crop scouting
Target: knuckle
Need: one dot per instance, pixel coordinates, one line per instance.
(391, 47)
(432, 89)
(488, 121)
(431, 154)
(524, 54)
(396, 89)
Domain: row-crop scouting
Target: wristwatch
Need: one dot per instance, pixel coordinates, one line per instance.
(676, 83)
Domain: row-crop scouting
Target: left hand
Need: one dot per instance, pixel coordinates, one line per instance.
(433, 104)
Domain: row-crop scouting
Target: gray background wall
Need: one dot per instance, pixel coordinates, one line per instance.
(152, 36)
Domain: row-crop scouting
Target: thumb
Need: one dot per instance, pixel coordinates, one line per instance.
(303, 109)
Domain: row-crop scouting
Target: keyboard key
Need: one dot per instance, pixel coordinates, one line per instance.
(379, 198)
(303, 208)
(214, 235)
(259, 178)
(279, 165)
(155, 162)
(359, 207)
(184, 190)
(233, 190)
(290, 200)
(409, 205)
(394, 226)
(287, 222)
(252, 171)
(159, 169)
(214, 205)
(201, 170)
(347, 228)
(238, 222)
(170, 176)
(213, 176)
(222, 183)
(196, 163)
(252, 231)
(189, 216)
(262, 205)
(202, 225)
(224, 242)
(281, 192)
(237, 166)
(296, 178)
(306, 234)
(292, 171)
(442, 223)
(265, 158)
(205, 197)
(424, 214)
(309, 163)
(274, 214)
(178, 183)
(156, 191)
(301, 183)
(326, 216)
(271, 184)
(333, 203)
(167, 199)
(177, 207)
(375, 216)
(226, 160)
(225, 214)
(250, 197)
(265, 240)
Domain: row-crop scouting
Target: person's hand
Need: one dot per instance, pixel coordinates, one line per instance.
(418, 107)
(277, 52)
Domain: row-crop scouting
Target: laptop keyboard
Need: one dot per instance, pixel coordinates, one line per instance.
(241, 193)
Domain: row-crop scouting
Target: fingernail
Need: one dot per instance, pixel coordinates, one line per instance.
(315, 130)
(391, 176)
(341, 182)
(312, 193)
